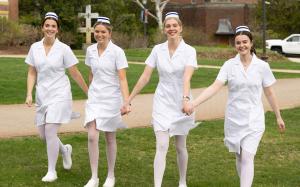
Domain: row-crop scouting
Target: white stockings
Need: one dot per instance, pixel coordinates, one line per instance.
(245, 168)
(93, 147)
(162, 145)
(48, 132)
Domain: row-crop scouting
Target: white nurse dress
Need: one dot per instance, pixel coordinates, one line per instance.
(167, 112)
(244, 117)
(53, 91)
(104, 95)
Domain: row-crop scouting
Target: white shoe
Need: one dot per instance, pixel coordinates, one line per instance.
(182, 185)
(67, 157)
(49, 177)
(109, 182)
(92, 183)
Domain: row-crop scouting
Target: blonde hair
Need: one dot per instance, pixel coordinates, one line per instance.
(175, 18)
(109, 27)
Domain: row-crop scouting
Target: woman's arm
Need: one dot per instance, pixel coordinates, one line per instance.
(270, 94)
(90, 77)
(142, 82)
(76, 75)
(208, 93)
(205, 95)
(188, 73)
(31, 78)
(124, 89)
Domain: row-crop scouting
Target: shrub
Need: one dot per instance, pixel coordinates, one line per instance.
(14, 34)
(195, 36)
(127, 41)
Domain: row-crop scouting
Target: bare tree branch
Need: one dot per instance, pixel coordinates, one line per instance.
(159, 7)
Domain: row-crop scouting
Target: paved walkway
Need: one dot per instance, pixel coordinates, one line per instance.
(17, 120)
(218, 67)
(295, 60)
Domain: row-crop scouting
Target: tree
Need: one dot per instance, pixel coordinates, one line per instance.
(159, 8)
(282, 17)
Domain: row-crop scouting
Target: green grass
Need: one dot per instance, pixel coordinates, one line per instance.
(13, 75)
(24, 162)
(141, 54)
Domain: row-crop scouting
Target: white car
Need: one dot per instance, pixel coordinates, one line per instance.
(289, 45)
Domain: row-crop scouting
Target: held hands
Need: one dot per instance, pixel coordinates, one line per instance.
(281, 125)
(126, 108)
(188, 107)
(28, 101)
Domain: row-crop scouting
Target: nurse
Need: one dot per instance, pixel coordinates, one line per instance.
(175, 61)
(246, 77)
(108, 85)
(47, 60)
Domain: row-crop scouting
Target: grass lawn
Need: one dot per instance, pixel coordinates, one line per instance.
(140, 55)
(13, 75)
(23, 160)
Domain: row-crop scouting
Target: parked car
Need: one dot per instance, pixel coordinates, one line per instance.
(289, 45)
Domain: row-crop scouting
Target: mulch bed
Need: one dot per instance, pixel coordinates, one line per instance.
(13, 50)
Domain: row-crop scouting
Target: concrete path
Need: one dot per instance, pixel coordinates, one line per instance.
(17, 120)
(295, 60)
(218, 67)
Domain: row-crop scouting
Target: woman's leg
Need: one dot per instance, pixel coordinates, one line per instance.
(182, 158)
(53, 142)
(63, 149)
(93, 138)
(247, 169)
(111, 154)
(41, 129)
(238, 160)
(162, 145)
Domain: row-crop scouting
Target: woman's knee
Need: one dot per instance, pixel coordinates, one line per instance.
(93, 133)
(162, 146)
(180, 143)
(110, 138)
(92, 137)
(51, 130)
(247, 158)
(181, 149)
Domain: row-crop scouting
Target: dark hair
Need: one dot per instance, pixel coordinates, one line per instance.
(252, 50)
(51, 19)
(109, 27)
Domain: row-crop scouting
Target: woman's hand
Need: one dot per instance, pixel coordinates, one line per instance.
(126, 108)
(188, 107)
(28, 101)
(281, 125)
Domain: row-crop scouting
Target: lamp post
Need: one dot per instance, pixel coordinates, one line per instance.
(264, 56)
(145, 17)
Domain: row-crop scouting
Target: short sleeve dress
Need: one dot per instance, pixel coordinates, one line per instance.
(104, 95)
(53, 91)
(244, 116)
(167, 112)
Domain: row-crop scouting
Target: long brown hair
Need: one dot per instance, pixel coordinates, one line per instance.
(51, 19)
(252, 50)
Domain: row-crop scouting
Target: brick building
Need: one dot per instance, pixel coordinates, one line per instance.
(9, 9)
(210, 16)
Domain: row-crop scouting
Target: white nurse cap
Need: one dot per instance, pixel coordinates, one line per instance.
(172, 15)
(103, 20)
(51, 15)
(242, 28)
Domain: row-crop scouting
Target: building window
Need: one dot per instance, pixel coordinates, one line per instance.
(193, 1)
